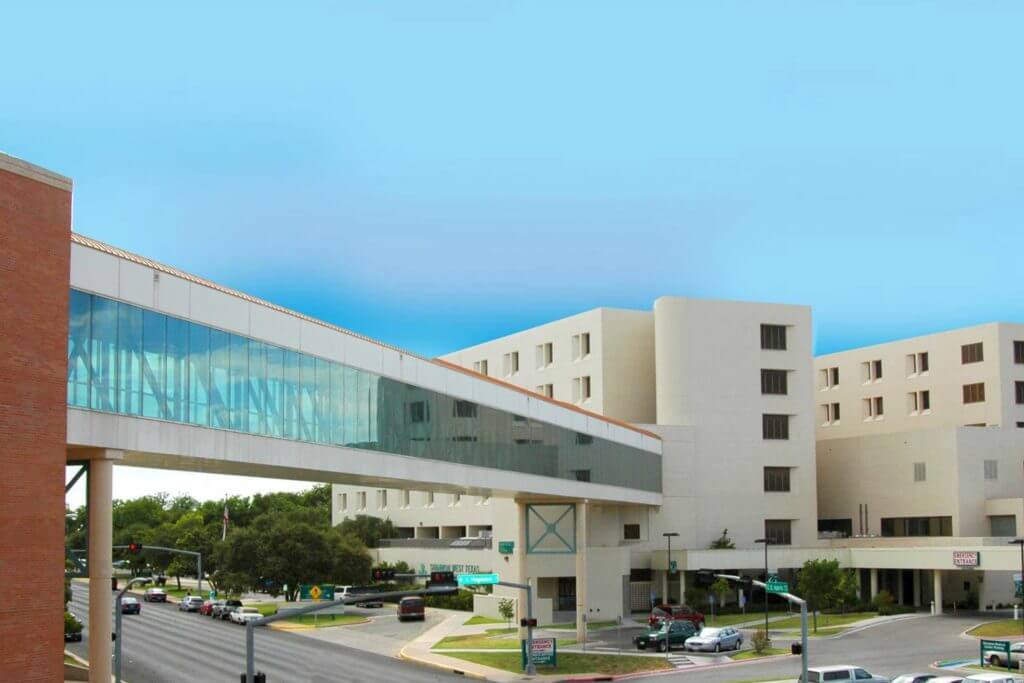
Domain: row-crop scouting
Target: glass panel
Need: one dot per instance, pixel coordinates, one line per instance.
(257, 387)
(129, 359)
(275, 391)
(103, 354)
(154, 348)
(363, 407)
(220, 379)
(176, 376)
(307, 399)
(322, 404)
(239, 383)
(351, 391)
(337, 404)
(198, 374)
(291, 395)
(79, 325)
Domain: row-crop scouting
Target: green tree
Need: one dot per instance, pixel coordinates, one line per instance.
(723, 542)
(720, 589)
(819, 583)
(368, 529)
(507, 608)
(849, 589)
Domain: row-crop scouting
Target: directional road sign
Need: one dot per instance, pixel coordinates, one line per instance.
(477, 579)
(774, 585)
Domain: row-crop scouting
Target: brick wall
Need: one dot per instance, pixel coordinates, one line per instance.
(35, 224)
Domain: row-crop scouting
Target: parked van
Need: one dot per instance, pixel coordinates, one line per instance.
(411, 608)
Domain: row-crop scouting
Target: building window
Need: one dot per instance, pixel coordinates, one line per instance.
(1019, 390)
(419, 411)
(991, 469)
(917, 526)
(1018, 352)
(362, 500)
(920, 471)
(773, 337)
(835, 528)
(343, 504)
(580, 389)
(972, 353)
(774, 382)
(406, 498)
(1003, 525)
(580, 345)
(830, 413)
(828, 378)
(917, 363)
(974, 393)
(382, 499)
(480, 366)
(582, 475)
(510, 363)
(456, 499)
(871, 371)
(545, 354)
(874, 408)
(775, 426)
(631, 532)
(464, 409)
(919, 402)
(778, 531)
(546, 390)
(776, 479)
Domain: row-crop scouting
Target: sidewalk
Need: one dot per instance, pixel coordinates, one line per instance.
(419, 651)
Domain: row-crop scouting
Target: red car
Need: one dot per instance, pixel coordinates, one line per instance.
(206, 608)
(676, 613)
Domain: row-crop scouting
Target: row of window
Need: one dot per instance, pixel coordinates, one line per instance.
(544, 356)
(991, 470)
(382, 502)
(918, 402)
(916, 364)
(777, 531)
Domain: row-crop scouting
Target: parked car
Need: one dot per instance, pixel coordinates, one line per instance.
(355, 591)
(946, 679)
(914, 678)
(665, 635)
(243, 615)
(676, 613)
(154, 595)
(130, 605)
(819, 674)
(191, 603)
(206, 608)
(991, 678)
(222, 608)
(999, 658)
(715, 640)
(215, 607)
(411, 608)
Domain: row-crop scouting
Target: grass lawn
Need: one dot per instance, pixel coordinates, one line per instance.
(750, 654)
(265, 608)
(995, 629)
(326, 620)
(591, 625)
(568, 663)
(823, 620)
(478, 641)
(731, 619)
(476, 621)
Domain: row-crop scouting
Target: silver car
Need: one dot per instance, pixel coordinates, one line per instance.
(999, 658)
(820, 674)
(190, 603)
(715, 640)
(914, 678)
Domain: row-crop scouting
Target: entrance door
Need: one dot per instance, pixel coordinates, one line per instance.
(566, 593)
(908, 586)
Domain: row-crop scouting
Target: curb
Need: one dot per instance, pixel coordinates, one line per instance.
(402, 654)
(284, 626)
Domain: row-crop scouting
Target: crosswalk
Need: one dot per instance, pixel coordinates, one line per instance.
(675, 658)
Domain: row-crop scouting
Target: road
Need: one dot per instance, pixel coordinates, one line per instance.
(889, 650)
(163, 645)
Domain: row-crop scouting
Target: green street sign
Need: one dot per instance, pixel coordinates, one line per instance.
(316, 591)
(989, 646)
(506, 547)
(774, 585)
(477, 579)
(544, 652)
(673, 567)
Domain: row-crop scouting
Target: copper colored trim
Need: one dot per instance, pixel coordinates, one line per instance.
(155, 265)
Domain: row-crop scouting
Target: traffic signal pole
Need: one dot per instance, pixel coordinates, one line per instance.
(791, 598)
(531, 668)
(141, 548)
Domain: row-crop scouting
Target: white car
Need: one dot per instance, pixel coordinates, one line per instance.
(820, 674)
(991, 678)
(998, 659)
(243, 615)
(190, 603)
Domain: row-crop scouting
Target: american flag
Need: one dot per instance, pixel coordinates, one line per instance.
(224, 526)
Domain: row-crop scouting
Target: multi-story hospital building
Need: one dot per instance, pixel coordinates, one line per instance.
(876, 456)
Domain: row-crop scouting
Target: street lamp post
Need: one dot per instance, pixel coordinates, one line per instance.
(767, 542)
(1020, 542)
(669, 535)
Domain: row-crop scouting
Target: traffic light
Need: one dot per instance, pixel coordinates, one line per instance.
(705, 577)
(528, 623)
(444, 580)
(381, 574)
(134, 548)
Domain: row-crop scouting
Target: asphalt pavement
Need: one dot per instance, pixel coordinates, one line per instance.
(888, 649)
(164, 645)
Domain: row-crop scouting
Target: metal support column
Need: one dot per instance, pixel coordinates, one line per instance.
(581, 572)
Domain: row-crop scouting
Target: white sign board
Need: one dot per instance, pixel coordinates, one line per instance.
(966, 558)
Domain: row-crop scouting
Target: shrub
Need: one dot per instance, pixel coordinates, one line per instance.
(71, 625)
(883, 602)
(462, 601)
(760, 641)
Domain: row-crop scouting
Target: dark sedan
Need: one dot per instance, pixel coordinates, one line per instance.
(665, 635)
(130, 605)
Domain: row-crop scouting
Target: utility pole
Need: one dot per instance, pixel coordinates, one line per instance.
(766, 542)
(669, 535)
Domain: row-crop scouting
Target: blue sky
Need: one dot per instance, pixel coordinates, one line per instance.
(435, 174)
